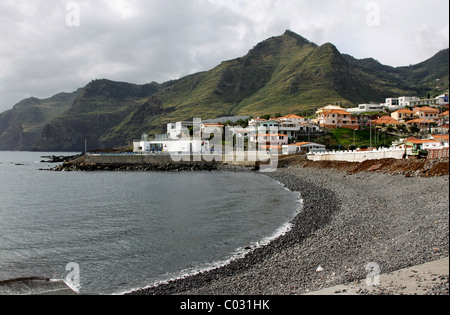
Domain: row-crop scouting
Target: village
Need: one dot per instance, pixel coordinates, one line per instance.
(423, 122)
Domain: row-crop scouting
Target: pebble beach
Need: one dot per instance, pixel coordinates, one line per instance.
(348, 222)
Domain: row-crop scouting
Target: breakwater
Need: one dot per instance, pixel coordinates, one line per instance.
(136, 162)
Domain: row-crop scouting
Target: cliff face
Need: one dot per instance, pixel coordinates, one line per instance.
(21, 126)
(284, 74)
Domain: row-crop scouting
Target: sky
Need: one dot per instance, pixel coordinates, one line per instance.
(53, 46)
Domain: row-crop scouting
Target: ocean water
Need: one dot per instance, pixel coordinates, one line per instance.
(119, 231)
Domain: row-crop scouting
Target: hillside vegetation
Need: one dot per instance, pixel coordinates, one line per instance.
(283, 74)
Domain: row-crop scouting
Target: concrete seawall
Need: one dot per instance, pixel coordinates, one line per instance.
(131, 162)
(150, 162)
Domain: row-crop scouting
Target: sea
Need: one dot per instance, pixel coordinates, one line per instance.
(107, 233)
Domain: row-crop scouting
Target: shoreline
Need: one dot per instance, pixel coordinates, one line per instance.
(337, 232)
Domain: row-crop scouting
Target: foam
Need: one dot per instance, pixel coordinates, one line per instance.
(239, 253)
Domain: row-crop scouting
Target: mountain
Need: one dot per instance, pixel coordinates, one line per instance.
(98, 108)
(283, 74)
(22, 125)
(430, 76)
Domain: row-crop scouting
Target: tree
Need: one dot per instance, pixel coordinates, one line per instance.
(414, 129)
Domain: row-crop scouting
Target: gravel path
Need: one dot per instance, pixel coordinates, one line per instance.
(348, 221)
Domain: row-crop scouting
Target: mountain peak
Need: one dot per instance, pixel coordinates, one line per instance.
(300, 39)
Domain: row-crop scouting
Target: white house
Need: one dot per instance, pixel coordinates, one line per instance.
(441, 100)
(363, 108)
(308, 127)
(206, 128)
(292, 118)
(404, 101)
(289, 128)
(181, 146)
(177, 140)
(443, 139)
(178, 129)
(262, 123)
(272, 142)
(401, 102)
(392, 102)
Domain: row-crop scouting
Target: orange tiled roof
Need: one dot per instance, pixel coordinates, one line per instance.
(387, 120)
(336, 111)
(426, 109)
(420, 121)
(404, 111)
(411, 138)
(422, 141)
(441, 137)
(291, 116)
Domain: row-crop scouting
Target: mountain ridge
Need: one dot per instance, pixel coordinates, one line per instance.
(282, 74)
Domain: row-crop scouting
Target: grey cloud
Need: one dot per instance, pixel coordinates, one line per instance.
(142, 41)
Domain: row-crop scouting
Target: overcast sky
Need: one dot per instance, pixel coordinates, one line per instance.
(52, 46)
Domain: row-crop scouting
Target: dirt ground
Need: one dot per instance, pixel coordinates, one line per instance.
(406, 167)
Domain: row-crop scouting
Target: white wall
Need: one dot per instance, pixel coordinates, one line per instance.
(355, 156)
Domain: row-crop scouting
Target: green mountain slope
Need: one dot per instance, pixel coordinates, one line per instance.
(430, 76)
(283, 74)
(100, 106)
